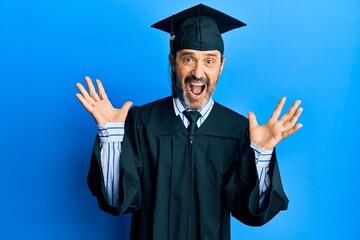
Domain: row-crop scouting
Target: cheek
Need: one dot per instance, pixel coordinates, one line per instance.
(183, 69)
(213, 77)
(181, 74)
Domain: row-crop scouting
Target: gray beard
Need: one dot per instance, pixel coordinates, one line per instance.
(178, 91)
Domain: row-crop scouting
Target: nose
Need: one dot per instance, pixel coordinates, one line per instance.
(198, 71)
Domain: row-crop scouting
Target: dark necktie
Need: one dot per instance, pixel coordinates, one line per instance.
(192, 116)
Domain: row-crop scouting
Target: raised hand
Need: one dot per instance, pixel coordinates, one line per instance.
(269, 135)
(98, 104)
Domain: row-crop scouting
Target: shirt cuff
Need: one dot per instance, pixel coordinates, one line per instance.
(111, 132)
(262, 156)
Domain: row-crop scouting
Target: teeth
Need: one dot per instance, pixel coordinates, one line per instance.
(197, 87)
(197, 84)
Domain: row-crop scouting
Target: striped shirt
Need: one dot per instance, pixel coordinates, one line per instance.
(179, 108)
(112, 134)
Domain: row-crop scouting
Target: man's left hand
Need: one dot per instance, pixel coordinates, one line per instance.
(269, 135)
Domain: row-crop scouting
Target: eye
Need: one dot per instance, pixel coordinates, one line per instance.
(188, 59)
(210, 61)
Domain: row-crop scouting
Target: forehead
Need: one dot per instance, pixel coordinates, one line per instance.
(198, 53)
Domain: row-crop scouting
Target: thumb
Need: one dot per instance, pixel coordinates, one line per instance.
(126, 106)
(252, 120)
(124, 111)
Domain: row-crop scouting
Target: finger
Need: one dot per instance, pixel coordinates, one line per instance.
(252, 120)
(291, 131)
(126, 106)
(125, 110)
(278, 108)
(296, 116)
(291, 111)
(84, 102)
(292, 121)
(91, 88)
(102, 93)
(98, 118)
(85, 94)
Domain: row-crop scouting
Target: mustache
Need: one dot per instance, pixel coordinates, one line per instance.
(194, 79)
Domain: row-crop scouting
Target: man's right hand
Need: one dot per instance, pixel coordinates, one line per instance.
(98, 105)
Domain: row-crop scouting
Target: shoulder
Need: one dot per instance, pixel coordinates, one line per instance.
(228, 114)
(225, 122)
(157, 116)
(149, 109)
(228, 118)
(158, 105)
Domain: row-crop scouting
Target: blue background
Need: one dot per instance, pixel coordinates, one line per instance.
(300, 49)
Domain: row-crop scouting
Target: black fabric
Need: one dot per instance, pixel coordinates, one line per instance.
(199, 28)
(183, 190)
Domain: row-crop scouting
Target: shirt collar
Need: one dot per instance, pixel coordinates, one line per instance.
(179, 107)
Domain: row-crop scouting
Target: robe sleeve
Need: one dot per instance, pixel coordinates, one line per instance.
(130, 170)
(242, 189)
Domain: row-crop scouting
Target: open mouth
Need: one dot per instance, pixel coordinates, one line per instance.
(197, 88)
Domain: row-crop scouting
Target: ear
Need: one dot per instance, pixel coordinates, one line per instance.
(222, 65)
(172, 62)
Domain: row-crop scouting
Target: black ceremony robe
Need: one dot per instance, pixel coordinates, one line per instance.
(178, 189)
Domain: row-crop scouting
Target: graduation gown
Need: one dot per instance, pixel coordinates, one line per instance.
(186, 190)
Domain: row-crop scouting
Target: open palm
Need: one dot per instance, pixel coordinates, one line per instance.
(269, 135)
(98, 104)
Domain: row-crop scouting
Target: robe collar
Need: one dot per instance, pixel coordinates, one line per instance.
(180, 107)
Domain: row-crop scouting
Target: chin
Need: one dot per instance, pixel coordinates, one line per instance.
(195, 105)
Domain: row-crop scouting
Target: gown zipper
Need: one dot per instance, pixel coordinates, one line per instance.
(190, 185)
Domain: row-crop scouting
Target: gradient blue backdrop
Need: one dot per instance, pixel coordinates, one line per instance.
(302, 49)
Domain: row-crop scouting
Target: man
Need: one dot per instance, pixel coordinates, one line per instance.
(184, 163)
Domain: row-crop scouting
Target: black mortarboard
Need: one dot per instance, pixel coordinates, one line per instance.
(199, 28)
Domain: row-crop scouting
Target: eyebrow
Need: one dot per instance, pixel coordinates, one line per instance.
(211, 55)
(187, 53)
(192, 53)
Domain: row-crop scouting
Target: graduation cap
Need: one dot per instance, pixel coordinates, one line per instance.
(198, 28)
